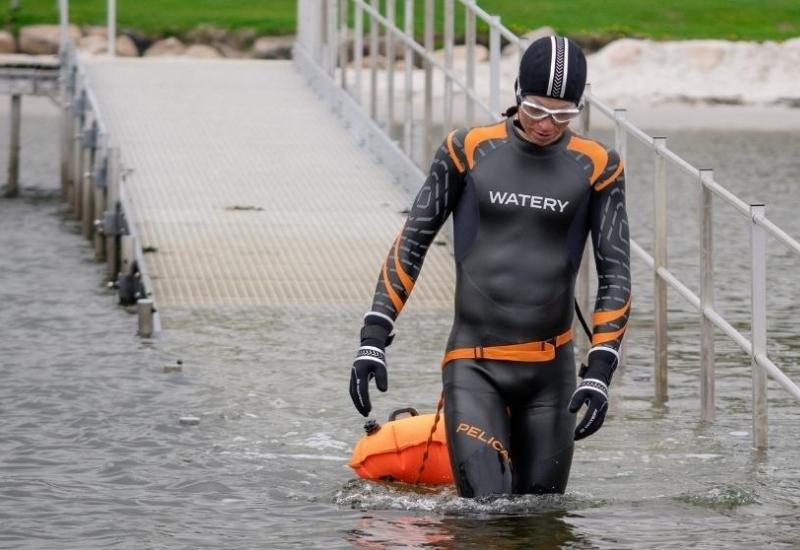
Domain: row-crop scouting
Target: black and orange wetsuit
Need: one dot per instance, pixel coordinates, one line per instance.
(522, 213)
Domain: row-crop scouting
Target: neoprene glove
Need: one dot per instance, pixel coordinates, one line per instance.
(370, 361)
(593, 390)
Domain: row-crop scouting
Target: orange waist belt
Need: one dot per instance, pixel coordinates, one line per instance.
(527, 352)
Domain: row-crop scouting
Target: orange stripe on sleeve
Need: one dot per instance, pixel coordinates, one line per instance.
(603, 184)
(452, 152)
(396, 301)
(594, 151)
(476, 136)
(407, 282)
(601, 317)
(603, 337)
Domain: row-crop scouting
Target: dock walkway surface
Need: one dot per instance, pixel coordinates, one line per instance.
(249, 189)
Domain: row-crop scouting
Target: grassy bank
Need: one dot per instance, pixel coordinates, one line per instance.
(673, 19)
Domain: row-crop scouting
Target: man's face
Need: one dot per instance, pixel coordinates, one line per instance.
(547, 130)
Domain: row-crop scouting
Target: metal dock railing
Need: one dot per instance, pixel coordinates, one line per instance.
(328, 30)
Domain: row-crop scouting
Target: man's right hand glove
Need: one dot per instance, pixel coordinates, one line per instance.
(593, 390)
(370, 361)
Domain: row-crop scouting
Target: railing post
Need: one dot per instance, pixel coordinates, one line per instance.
(586, 119)
(758, 281)
(408, 112)
(87, 183)
(80, 129)
(391, 14)
(100, 206)
(584, 299)
(449, 37)
(469, 36)
(317, 21)
(333, 50)
(428, 126)
(67, 98)
(494, 65)
(706, 299)
(621, 145)
(343, 42)
(373, 62)
(145, 312)
(63, 22)
(111, 222)
(660, 259)
(358, 49)
(13, 159)
(112, 27)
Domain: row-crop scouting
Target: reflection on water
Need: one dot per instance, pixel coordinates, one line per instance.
(542, 530)
(92, 453)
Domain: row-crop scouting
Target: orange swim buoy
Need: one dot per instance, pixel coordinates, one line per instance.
(395, 451)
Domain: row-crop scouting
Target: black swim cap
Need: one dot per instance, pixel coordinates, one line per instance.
(552, 66)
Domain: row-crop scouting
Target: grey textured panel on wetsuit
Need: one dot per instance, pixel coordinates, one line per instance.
(429, 211)
(610, 236)
(249, 187)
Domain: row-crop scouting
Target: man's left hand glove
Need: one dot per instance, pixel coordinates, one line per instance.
(593, 391)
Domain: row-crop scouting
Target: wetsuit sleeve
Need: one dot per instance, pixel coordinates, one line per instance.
(431, 207)
(609, 229)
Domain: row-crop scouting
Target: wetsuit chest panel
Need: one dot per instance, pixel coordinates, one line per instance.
(526, 205)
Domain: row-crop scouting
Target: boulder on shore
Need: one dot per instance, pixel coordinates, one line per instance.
(93, 44)
(44, 39)
(202, 51)
(126, 47)
(96, 44)
(273, 47)
(7, 43)
(168, 47)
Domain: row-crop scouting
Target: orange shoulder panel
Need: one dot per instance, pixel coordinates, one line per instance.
(452, 152)
(476, 136)
(610, 179)
(594, 151)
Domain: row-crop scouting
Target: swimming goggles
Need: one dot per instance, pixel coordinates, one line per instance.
(540, 112)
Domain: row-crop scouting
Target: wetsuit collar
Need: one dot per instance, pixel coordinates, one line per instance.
(531, 148)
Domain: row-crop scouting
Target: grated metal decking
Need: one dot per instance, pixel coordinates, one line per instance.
(250, 189)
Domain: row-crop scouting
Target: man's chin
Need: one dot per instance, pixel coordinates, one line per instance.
(542, 139)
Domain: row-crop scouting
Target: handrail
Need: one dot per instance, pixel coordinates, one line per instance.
(318, 35)
(420, 49)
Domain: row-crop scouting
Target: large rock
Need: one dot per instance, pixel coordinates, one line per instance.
(126, 47)
(273, 47)
(527, 38)
(202, 51)
(93, 44)
(95, 30)
(97, 44)
(7, 43)
(44, 39)
(168, 47)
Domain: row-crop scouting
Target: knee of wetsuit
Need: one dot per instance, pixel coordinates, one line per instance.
(485, 473)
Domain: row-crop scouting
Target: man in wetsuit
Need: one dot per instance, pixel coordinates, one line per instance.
(524, 194)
